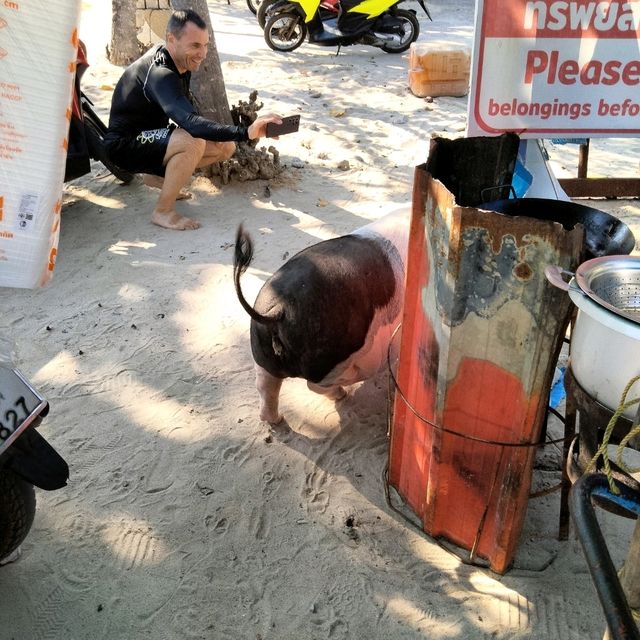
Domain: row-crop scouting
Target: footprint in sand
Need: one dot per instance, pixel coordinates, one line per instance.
(339, 605)
(48, 616)
(134, 548)
(157, 479)
(238, 453)
(88, 453)
(221, 526)
(259, 522)
(314, 492)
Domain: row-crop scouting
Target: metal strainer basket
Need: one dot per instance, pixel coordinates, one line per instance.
(614, 283)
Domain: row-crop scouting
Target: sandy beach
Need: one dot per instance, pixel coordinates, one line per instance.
(186, 517)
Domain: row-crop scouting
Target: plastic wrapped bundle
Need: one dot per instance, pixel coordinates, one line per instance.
(38, 43)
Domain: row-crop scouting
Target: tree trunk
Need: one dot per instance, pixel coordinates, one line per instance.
(124, 47)
(207, 84)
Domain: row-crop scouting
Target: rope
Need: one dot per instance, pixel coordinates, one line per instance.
(603, 449)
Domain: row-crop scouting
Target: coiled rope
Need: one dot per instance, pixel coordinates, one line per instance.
(603, 449)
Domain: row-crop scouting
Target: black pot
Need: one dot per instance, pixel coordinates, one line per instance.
(605, 235)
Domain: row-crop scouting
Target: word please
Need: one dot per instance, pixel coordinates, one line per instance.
(548, 64)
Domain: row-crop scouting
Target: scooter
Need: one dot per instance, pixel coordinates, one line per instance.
(379, 23)
(26, 459)
(326, 9)
(87, 131)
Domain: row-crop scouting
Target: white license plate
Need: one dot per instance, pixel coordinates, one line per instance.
(20, 404)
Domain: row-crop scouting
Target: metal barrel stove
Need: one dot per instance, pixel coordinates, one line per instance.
(482, 331)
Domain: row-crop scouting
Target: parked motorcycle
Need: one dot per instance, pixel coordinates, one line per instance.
(379, 23)
(266, 8)
(26, 459)
(87, 131)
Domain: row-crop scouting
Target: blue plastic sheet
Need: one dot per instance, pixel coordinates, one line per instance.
(557, 394)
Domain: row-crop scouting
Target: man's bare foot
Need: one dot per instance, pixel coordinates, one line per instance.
(156, 182)
(173, 220)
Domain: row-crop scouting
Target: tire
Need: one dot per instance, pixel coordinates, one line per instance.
(17, 509)
(94, 131)
(411, 31)
(253, 6)
(285, 31)
(265, 10)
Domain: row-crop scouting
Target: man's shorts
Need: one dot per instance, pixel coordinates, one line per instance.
(143, 153)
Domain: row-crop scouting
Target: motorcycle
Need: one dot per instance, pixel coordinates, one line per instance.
(26, 459)
(327, 9)
(87, 132)
(379, 23)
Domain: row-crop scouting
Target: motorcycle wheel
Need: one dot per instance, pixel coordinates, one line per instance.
(285, 31)
(94, 131)
(17, 509)
(253, 6)
(410, 32)
(265, 10)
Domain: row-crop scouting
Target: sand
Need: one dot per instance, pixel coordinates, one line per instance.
(185, 516)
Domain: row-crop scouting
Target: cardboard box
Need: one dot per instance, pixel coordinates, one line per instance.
(439, 70)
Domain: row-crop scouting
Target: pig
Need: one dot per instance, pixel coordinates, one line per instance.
(327, 314)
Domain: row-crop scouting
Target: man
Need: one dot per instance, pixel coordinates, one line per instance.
(153, 91)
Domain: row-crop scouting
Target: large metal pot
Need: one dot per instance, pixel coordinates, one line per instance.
(604, 233)
(605, 341)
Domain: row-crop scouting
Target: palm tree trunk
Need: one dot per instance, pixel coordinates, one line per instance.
(207, 83)
(124, 41)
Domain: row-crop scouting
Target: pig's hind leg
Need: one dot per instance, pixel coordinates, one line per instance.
(269, 389)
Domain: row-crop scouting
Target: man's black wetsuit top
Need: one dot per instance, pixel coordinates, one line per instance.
(150, 92)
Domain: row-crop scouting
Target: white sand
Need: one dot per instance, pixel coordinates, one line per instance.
(185, 517)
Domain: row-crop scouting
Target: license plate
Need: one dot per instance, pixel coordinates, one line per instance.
(20, 404)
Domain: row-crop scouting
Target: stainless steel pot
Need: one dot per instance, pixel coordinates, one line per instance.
(605, 342)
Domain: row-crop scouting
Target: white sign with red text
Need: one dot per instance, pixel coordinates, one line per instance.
(547, 68)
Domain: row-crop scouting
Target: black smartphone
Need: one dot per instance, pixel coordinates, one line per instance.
(290, 124)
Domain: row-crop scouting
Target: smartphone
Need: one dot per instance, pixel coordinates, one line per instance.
(290, 124)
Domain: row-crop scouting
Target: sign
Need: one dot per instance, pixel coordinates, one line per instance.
(543, 68)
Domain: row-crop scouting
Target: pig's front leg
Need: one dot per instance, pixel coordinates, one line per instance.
(269, 389)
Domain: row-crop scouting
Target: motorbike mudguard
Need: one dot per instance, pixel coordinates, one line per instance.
(36, 461)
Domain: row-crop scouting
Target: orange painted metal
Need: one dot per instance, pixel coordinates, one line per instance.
(481, 333)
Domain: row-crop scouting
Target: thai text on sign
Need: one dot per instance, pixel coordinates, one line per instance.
(556, 67)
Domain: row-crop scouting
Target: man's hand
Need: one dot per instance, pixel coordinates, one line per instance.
(258, 128)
